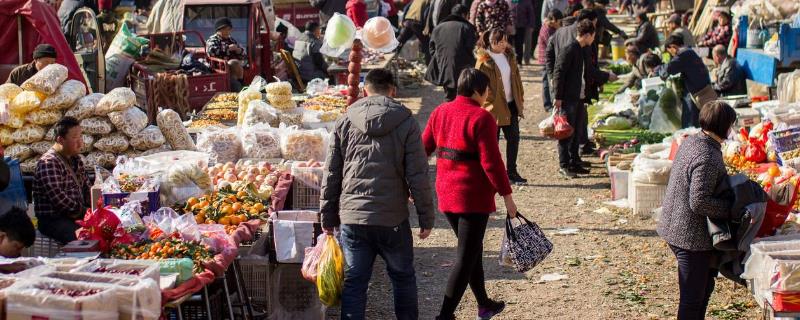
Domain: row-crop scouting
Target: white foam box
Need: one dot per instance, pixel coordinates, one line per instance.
(34, 300)
(145, 269)
(644, 198)
(619, 182)
(747, 117)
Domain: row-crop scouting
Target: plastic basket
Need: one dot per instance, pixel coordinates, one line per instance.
(292, 296)
(150, 200)
(42, 247)
(785, 140)
(306, 187)
(195, 309)
(644, 198)
(255, 276)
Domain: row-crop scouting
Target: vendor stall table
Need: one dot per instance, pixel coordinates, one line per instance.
(339, 72)
(763, 67)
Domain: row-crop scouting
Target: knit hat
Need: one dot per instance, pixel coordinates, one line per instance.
(222, 23)
(44, 51)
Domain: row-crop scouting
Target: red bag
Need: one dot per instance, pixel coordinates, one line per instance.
(100, 225)
(754, 151)
(556, 127)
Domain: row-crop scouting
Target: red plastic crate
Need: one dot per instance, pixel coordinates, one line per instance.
(786, 301)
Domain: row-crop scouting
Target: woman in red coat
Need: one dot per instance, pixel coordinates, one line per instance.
(469, 172)
(357, 11)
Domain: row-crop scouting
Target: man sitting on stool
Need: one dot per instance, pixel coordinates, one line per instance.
(730, 78)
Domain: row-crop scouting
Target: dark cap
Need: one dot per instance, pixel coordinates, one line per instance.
(222, 23)
(44, 51)
(675, 18)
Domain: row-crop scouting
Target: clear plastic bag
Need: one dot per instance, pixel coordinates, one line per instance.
(29, 166)
(84, 107)
(261, 142)
(15, 120)
(41, 147)
(163, 148)
(44, 117)
(118, 99)
(47, 80)
(223, 146)
(9, 91)
(652, 171)
(339, 35)
(280, 88)
(29, 133)
(303, 145)
(97, 126)
(378, 34)
(114, 143)
(183, 181)
(281, 101)
(130, 121)
(4, 113)
(25, 102)
(317, 86)
(252, 93)
(311, 260)
(104, 159)
(173, 130)
(57, 299)
(67, 94)
(88, 143)
(5, 136)
(19, 151)
(259, 112)
(149, 138)
(291, 117)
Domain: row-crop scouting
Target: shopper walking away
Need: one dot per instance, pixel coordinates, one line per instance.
(450, 40)
(414, 26)
(696, 81)
(469, 172)
(697, 170)
(375, 161)
(551, 24)
(496, 59)
(525, 19)
(440, 9)
(646, 34)
(493, 14)
(568, 95)
(730, 77)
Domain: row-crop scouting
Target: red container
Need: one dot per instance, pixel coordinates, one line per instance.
(786, 301)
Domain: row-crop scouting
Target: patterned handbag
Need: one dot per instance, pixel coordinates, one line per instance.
(525, 245)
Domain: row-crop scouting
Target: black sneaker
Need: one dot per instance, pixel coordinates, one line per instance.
(580, 170)
(490, 310)
(567, 173)
(588, 150)
(516, 178)
(586, 164)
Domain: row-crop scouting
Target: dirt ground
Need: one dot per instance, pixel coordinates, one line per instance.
(617, 266)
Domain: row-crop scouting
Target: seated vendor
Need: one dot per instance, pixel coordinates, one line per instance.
(222, 45)
(646, 34)
(43, 55)
(61, 186)
(638, 71)
(650, 61)
(675, 28)
(16, 230)
(730, 78)
(312, 64)
(720, 34)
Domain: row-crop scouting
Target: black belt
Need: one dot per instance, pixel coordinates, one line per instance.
(457, 155)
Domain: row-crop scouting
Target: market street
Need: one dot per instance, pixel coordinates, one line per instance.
(617, 266)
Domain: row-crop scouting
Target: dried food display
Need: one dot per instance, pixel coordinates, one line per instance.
(172, 128)
(130, 121)
(67, 94)
(84, 107)
(118, 99)
(47, 80)
(97, 126)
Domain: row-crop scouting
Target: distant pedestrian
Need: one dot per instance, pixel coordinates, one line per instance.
(375, 161)
(505, 102)
(414, 19)
(469, 172)
(493, 14)
(450, 40)
(525, 19)
(551, 24)
(693, 72)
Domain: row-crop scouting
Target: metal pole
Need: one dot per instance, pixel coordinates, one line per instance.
(19, 37)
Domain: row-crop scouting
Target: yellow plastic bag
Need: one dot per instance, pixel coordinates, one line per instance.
(330, 272)
(26, 101)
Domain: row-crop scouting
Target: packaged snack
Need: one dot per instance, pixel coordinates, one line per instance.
(259, 112)
(65, 96)
(47, 80)
(172, 128)
(41, 147)
(261, 142)
(25, 102)
(29, 166)
(223, 146)
(29, 133)
(291, 118)
(104, 159)
(282, 88)
(303, 145)
(118, 99)
(114, 143)
(163, 148)
(15, 120)
(88, 143)
(19, 151)
(252, 93)
(96, 126)
(5, 136)
(44, 117)
(84, 107)
(149, 138)
(9, 91)
(130, 121)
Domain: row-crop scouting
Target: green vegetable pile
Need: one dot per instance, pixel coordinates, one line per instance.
(620, 68)
(611, 137)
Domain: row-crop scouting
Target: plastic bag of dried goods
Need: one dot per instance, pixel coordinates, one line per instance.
(5, 136)
(261, 142)
(44, 117)
(115, 143)
(303, 145)
(88, 143)
(15, 120)
(29, 166)
(259, 112)
(29, 133)
(118, 99)
(173, 130)
(19, 151)
(41, 147)
(47, 80)
(104, 159)
(149, 138)
(9, 91)
(84, 107)
(96, 126)
(25, 102)
(223, 146)
(65, 96)
(129, 121)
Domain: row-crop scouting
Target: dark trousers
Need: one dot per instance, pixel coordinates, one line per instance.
(361, 244)
(690, 115)
(696, 281)
(519, 43)
(547, 101)
(468, 268)
(511, 133)
(58, 228)
(568, 149)
(414, 29)
(450, 93)
(394, 20)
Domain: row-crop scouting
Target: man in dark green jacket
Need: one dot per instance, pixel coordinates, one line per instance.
(376, 160)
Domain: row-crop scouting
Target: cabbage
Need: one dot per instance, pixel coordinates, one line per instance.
(618, 123)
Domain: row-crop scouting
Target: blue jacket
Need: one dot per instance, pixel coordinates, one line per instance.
(692, 69)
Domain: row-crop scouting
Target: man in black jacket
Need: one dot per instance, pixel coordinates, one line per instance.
(451, 43)
(567, 73)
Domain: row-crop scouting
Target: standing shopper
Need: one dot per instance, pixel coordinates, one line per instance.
(376, 158)
(568, 95)
(414, 26)
(524, 22)
(697, 170)
(694, 74)
(469, 172)
(493, 14)
(551, 24)
(449, 41)
(505, 102)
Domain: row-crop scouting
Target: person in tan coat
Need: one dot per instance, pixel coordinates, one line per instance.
(495, 57)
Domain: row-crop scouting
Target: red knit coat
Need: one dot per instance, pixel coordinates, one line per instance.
(466, 186)
(357, 11)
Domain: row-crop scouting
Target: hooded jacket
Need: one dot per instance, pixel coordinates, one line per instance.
(496, 104)
(450, 40)
(375, 159)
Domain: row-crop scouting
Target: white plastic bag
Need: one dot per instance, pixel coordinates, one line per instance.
(47, 80)
(252, 93)
(5, 136)
(223, 146)
(130, 121)
(9, 91)
(88, 143)
(118, 99)
(259, 112)
(104, 159)
(114, 143)
(44, 117)
(149, 138)
(19, 151)
(378, 34)
(29, 133)
(41, 147)
(304, 145)
(261, 142)
(293, 231)
(173, 130)
(65, 96)
(317, 86)
(25, 102)
(651, 171)
(84, 107)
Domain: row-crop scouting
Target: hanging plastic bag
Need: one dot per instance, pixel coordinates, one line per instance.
(556, 127)
(330, 278)
(378, 34)
(339, 35)
(310, 268)
(251, 93)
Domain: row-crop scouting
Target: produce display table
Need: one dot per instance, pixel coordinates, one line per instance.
(770, 313)
(761, 66)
